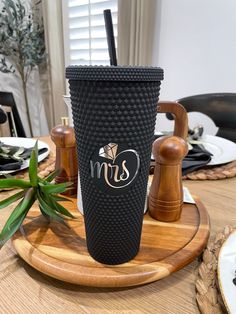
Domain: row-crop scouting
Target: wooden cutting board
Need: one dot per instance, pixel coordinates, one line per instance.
(61, 252)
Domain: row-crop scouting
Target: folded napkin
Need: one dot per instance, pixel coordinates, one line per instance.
(196, 158)
(12, 157)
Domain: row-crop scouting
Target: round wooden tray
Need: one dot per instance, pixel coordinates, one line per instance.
(61, 252)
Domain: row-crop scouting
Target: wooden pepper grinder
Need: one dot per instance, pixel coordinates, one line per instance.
(166, 192)
(66, 157)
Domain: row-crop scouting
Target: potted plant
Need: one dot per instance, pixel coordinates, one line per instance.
(35, 189)
(21, 44)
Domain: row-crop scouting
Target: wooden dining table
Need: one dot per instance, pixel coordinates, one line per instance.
(25, 290)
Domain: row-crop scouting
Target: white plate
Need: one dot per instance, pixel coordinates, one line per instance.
(226, 272)
(222, 149)
(27, 143)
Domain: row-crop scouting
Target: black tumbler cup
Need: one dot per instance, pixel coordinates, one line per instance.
(114, 112)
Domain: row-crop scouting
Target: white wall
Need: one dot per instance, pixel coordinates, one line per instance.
(195, 44)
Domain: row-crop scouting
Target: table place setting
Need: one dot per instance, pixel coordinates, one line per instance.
(207, 151)
(210, 157)
(15, 153)
(209, 167)
(220, 150)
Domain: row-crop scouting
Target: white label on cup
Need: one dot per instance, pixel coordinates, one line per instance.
(79, 197)
(187, 196)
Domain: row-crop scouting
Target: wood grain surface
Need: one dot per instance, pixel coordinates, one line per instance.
(61, 252)
(25, 290)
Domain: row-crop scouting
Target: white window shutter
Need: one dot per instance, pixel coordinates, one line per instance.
(84, 31)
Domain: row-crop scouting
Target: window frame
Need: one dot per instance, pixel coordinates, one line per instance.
(66, 34)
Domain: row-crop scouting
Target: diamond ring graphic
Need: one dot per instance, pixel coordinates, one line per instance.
(109, 151)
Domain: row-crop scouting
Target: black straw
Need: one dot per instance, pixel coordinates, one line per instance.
(110, 37)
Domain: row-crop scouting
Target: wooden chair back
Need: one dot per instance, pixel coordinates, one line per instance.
(13, 126)
(220, 107)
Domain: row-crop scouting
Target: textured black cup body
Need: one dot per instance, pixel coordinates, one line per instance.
(113, 105)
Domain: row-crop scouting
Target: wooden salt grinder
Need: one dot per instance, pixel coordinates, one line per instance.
(66, 157)
(166, 192)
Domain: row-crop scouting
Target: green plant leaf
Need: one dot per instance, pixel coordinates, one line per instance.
(47, 209)
(33, 165)
(14, 183)
(8, 232)
(26, 202)
(11, 199)
(55, 188)
(58, 198)
(52, 175)
(62, 210)
(42, 181)
(17, 216)
(58, 207)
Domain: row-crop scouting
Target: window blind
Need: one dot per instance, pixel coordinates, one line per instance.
(85, 34)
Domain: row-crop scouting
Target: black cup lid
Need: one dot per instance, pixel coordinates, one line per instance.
(113, 73)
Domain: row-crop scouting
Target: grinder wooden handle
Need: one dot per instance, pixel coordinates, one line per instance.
(166, 192)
